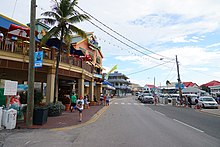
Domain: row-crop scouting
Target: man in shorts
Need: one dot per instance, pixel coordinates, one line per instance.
(73, 102)
(79, 107)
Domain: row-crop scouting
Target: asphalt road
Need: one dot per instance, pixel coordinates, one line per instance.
(127, 123)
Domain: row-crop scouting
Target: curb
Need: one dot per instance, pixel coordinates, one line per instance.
(200, 110)
(93, 119)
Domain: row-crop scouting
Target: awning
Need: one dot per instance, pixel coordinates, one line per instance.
(20, 31)
(76, 52)
(107, 83)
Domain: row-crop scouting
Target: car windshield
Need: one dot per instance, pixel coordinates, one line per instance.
(146, 94)
(208, 99)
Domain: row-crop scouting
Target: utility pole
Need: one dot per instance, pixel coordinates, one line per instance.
(178, 79)
(30, 99)
(154, 86)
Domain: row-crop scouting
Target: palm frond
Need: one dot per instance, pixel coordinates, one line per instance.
(64, 5)
(49, 21)
(71, 6)
(77, 31)
(51, 14)
(53, 32)
(78, 18)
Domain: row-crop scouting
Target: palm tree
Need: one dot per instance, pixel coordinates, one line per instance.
(62, 17)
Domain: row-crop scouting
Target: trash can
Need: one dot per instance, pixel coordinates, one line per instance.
(1, 116)
(40, 116)
(174, 102)
(12, 118)
(166, 100)
(4, 117)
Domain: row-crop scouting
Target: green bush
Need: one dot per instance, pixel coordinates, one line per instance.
(55, 109)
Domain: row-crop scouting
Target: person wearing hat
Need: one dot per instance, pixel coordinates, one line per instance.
(79, 107)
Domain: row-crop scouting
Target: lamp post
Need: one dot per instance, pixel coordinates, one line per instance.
(30, 98)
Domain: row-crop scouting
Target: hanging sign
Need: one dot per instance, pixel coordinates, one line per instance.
(10, 87)
(38, 59)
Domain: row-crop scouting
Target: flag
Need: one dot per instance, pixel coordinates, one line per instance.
(113, 68)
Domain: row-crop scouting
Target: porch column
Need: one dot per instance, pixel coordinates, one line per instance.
(91, 89)
(81, 86)
(98, 90)
(50, 85)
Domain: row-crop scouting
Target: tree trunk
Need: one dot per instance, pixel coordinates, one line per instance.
(57, 64)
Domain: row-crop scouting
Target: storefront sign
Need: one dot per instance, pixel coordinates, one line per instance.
(10, 87)
(38, 59)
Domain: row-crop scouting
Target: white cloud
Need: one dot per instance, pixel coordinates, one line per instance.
(213, 45)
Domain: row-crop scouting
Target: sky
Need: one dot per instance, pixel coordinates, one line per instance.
(151, 34)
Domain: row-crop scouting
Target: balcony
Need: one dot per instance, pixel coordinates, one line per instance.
(22, 49)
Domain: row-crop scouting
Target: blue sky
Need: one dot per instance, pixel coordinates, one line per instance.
(188, 29)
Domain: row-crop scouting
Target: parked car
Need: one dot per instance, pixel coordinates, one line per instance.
(208, 102)
(147, 98)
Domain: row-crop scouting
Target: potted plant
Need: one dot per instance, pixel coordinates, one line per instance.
(55, 109)
(40, 109)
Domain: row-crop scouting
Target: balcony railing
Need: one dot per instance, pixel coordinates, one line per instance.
(50, 54)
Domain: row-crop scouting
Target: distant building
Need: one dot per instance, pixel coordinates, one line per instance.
(190, 84)
(215, 90)
(120, 83)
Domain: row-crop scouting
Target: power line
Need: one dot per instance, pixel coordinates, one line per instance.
(14, 9)
(122, 41)
(122, 35)
(169, 72)
(149, 68)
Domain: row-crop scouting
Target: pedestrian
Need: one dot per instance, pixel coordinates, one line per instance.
(197, 104)
(155, 99)
(104, 100)
(79, 107)
(101, 99)
(107, 100)
(73, 102)
(189, 101)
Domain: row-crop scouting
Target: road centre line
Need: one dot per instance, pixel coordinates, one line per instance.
(129, 103)
(159, 113)
(116, 103)
(122, 103)
(188, 125)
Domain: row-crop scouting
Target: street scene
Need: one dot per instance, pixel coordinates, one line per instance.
(109, 73)
(127, 122)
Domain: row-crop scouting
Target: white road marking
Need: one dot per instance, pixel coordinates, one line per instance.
(135, 103)
(159, 113)
(188, 125)
(116, 103)
(129, 103)
(122, 103)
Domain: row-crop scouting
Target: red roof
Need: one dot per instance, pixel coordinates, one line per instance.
(151, 86)
(188, 84)
(212, 83)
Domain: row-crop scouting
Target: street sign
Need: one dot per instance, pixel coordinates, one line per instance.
(38, 59)
(10, 87)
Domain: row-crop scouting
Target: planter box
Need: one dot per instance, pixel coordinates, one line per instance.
(40, 116)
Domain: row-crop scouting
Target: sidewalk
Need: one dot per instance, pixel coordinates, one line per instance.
(66, 119)
(212, 111)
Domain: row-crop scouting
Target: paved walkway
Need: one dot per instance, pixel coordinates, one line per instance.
(66, 119)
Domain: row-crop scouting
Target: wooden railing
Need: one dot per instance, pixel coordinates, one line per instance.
(50, 54)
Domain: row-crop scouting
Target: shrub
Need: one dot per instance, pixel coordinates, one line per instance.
(55, 109)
